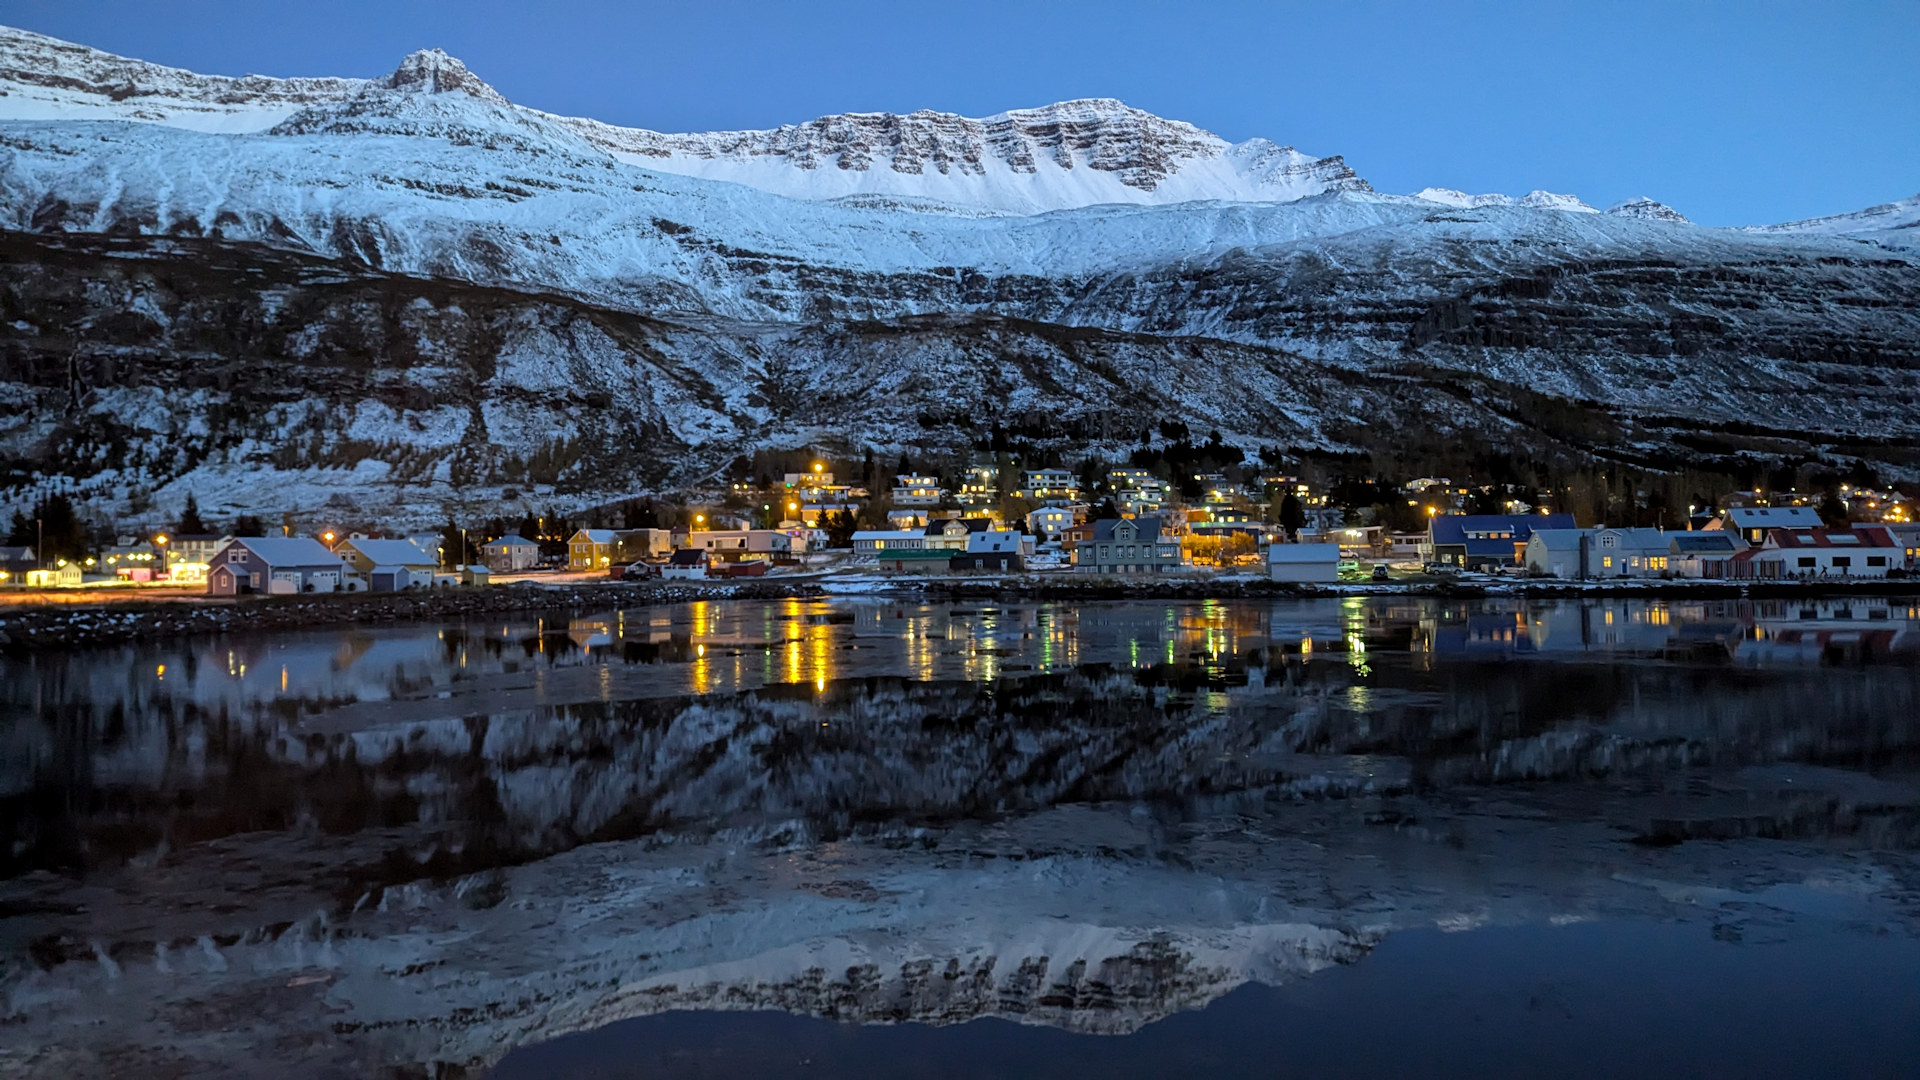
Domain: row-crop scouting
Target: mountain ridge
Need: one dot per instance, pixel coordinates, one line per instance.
(508, 256)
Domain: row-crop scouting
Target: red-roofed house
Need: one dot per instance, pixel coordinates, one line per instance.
(1867, 551)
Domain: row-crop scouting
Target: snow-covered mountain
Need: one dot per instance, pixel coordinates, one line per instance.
(864, 279)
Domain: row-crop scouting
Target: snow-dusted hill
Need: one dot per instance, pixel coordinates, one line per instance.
(1249, 288)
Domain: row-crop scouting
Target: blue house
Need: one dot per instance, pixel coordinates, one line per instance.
(1486, 541)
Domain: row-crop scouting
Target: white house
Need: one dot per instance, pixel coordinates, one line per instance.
(1558, 552)
(913, 490)
(1303, 562)
(872, 541)
(1052, 520)
(274, 564)
(737, 542)
(691, 563)
(1861, 551)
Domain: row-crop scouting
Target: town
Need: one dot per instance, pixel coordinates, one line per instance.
(996, 520)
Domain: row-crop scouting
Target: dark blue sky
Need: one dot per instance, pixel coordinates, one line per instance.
(1734, 113)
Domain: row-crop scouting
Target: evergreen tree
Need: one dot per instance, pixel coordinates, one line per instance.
(53, 530)
(1832, 510)
(1293, 516)
(190, 522)
(840, 526)
(249, 525)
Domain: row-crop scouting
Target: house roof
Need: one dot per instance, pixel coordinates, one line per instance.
(385, 553)
(1644, 540)
(1559, 539)
(288, 550)
(1452, 529)
(1149, 527)
(509, 540)
(597, 536)
(1303, 553)
(692, 557)
(1703, 543)
(1860, 536)
(1774, 517)
(16, 554)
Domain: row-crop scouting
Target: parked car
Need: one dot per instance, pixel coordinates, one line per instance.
(1348, 566)
(1380, 572)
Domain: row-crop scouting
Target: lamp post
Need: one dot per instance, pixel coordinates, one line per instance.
(160, 542)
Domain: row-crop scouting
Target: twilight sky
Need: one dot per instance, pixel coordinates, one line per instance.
(1732, 112)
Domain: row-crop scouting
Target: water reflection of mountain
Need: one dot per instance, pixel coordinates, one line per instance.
(473, 834)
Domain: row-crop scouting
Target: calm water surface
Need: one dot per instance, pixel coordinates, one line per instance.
(872, 838)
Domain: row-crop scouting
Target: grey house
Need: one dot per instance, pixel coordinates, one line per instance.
(1127, 546)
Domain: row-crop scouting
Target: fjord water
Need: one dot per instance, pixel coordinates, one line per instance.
(882, 837)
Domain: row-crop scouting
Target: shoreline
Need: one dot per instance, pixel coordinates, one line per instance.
(28, 629)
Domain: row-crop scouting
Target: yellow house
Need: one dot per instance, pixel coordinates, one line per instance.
(591, 549)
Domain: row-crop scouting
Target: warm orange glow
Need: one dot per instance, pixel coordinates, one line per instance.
(161, 540)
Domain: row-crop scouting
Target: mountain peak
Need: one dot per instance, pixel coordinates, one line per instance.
(1647, 210)
(432, 71)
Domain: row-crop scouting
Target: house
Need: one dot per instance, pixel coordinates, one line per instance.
(636, 545)
(1303, 562)
(1753, 522)
(1144, 497)
(186, 557)
(510, 554)
(1054, 487)
(1051, 520)
(1867, 551)
(907, 519)
(1908, 537)
(873, 541)
(1127, 546)
(276, 565)
(591, 549)
(993, 549)
(131, 561)
(1560, 553)
(691, 563)
(735, 545)
(980, 488)
(1485, 541)
(15, 562)
(917, 560)
(475, 575)
(951, 533)
(1703, 554)
(916, 490)
(389, 565)
(1618, 553)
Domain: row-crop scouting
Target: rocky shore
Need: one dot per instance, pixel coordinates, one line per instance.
(27, 629)
(33, 629)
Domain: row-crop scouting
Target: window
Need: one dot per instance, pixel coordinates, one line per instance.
(1841, 562)
(1876, 560)
(1607, 562)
